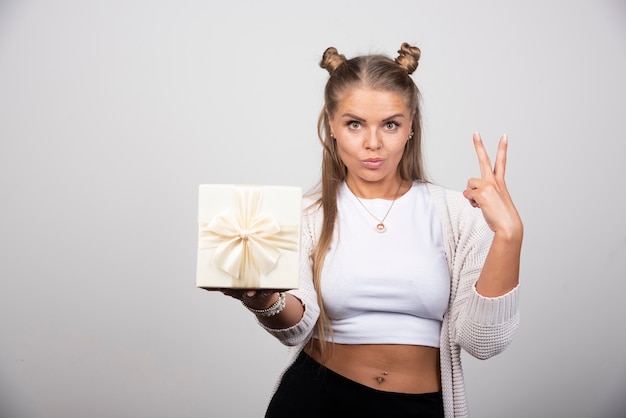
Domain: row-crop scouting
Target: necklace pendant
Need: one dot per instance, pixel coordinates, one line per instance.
(380, 227)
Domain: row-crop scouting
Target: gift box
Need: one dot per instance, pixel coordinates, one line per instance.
(248, 236)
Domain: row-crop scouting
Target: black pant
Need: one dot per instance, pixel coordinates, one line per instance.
(310, 390)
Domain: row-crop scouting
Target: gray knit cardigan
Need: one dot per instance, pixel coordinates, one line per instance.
(481, 326)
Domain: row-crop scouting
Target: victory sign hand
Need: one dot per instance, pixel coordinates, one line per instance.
(489, 192)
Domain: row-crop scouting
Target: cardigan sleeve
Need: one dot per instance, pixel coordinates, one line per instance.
(482, 326)
(302, 331)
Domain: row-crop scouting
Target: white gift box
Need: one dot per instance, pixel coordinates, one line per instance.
(248, 236)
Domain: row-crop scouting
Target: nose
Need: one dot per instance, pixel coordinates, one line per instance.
(372, 140)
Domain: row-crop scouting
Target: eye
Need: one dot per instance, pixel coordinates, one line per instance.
(353, 124)
(391, 125)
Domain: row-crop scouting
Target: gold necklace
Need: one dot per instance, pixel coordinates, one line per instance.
(380, 227)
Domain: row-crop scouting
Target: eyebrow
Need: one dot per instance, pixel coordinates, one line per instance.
(355, 117)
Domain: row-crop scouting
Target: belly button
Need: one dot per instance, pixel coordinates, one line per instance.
(380, 379)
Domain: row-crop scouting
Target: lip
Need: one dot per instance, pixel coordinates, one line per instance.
(373, 163)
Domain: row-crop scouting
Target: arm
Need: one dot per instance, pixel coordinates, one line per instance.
(483, 326)
(484, 313)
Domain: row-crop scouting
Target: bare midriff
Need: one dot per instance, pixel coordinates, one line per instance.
(386, 367)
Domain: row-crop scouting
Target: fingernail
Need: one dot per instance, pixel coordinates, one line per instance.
(505, 138)
(477, 136)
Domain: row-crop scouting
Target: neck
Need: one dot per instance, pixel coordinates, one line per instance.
(389, 190)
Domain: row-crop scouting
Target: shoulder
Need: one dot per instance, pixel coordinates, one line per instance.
(456, 214)
(448, 203)
(452, 200)
(312, 219)
(311, 205)
(310, 201)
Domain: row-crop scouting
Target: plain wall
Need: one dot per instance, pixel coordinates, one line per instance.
(113, 112)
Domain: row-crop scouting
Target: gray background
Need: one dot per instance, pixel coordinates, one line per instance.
(112, 113)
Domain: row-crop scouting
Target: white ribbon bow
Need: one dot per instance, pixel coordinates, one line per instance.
(247, 243)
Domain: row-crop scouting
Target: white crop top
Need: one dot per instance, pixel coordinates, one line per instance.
(391, 287)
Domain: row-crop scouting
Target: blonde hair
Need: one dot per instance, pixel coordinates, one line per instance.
(377, 72)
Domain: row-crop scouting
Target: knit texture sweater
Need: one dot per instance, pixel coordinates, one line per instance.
(481, 326)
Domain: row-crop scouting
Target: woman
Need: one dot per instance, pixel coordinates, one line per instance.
(397, 274)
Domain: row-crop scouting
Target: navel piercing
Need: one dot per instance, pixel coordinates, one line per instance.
(381, 379)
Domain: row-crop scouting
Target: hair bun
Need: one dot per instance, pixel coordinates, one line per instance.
(408, 57)
(331, 60)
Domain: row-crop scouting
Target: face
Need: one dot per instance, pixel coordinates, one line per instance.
(371, 128)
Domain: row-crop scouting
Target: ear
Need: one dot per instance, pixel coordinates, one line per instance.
(330, 123)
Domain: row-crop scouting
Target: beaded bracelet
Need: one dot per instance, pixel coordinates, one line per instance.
(275, 309)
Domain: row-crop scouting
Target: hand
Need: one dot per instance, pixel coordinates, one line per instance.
(489, 192)
(254, 298)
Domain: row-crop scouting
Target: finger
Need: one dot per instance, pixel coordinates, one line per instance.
(474, 183)
(483, 158)
(500, 165)
(258, 293)
(469, 195)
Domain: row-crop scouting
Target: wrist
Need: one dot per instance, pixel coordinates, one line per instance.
(509, 238)
(274, 309)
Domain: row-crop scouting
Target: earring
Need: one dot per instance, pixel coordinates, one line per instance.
(411, 134)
